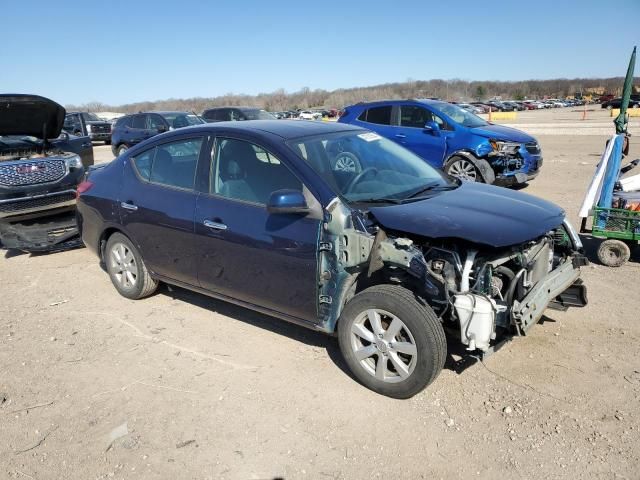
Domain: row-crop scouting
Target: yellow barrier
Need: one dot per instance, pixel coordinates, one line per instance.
(503, 115)
(633, 112)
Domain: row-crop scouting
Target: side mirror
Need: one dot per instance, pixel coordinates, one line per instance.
(64, 136)
(162, 129)
(287, 201)
(432, 127)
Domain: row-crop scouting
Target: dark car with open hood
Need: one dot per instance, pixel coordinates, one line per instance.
(40, 168)
(392, 257)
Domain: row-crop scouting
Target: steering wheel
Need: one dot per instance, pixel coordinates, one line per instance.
(358, 178)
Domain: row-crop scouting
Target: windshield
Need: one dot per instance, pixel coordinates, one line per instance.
(460, 115)
(179, 119)
(90, 117)
(363, 167)
(258, 115)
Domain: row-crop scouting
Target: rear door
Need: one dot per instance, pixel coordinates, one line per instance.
(158, 203)
(246, 253)
(379, 119)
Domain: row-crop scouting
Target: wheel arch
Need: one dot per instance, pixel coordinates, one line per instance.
(481, 164)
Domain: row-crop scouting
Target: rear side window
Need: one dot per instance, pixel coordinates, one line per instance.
(378, 115)
(219, 114)
(172, 164)
(139, 121)
(123, 122)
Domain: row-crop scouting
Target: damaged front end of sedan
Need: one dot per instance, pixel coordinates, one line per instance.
(483, 294)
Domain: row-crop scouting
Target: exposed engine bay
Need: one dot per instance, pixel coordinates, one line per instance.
(483, 293)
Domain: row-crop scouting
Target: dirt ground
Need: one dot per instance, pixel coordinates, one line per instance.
(95, 386)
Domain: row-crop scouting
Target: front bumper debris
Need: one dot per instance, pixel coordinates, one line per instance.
(45, 234)
(527, 312)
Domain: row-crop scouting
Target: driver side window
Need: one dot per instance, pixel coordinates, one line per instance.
(244, 171)
(414, 117)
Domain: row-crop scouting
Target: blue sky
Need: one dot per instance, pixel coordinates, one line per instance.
(125, 51)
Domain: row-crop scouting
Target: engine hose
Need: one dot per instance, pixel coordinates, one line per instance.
(512, 287)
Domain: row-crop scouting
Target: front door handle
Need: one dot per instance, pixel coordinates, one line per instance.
(214, 225)
(86, 145)
(400, 135)
(128, 206)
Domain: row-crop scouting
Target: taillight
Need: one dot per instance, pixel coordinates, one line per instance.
(83, 187)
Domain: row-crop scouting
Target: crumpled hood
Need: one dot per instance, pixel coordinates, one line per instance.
(30, 115)
(500, 132)
(478, 213)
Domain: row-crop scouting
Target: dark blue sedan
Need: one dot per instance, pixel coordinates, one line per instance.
(388, 254)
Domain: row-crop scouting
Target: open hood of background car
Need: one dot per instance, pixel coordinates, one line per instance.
(30, 115)
(500, 132)
(478, 213)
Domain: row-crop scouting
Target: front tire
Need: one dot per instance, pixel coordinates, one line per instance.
(122, 149)
(392, 341)
(464, 169)
(126, 268)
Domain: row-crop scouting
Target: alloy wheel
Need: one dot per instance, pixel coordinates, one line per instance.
(464, 170)
(123, 265)
(383, 345)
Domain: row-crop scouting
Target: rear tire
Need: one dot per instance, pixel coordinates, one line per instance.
(392, 341)
(107, 142)
(126, 268)
(613, 253)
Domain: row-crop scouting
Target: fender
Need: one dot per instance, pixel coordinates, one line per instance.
(482, 165)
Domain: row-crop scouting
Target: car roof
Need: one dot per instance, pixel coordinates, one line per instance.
(287, 129)
(235, 106)
(380, 103)
(168, 112)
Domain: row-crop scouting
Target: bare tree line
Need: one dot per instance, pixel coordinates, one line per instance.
(452, 90)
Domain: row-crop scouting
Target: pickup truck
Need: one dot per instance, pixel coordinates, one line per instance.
(40, 168)
(88, 124)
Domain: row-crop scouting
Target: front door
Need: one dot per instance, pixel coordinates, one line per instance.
(245, 253)
(157, 206)
(411, 134)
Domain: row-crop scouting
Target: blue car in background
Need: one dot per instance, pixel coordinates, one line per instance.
(451, 138)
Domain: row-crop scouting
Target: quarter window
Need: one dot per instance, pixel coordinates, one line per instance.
(247, 172)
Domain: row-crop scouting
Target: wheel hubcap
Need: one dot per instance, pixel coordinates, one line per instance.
(383, 345)
(464, 170)
(123, 265)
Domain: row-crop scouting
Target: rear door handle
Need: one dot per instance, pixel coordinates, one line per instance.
(214, 225)
(86, 145)
(400, 135)
(128, 206)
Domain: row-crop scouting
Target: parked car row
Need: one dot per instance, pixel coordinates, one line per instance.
(634, 102)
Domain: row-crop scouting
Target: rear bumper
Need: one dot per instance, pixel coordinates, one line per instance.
(59, 232)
